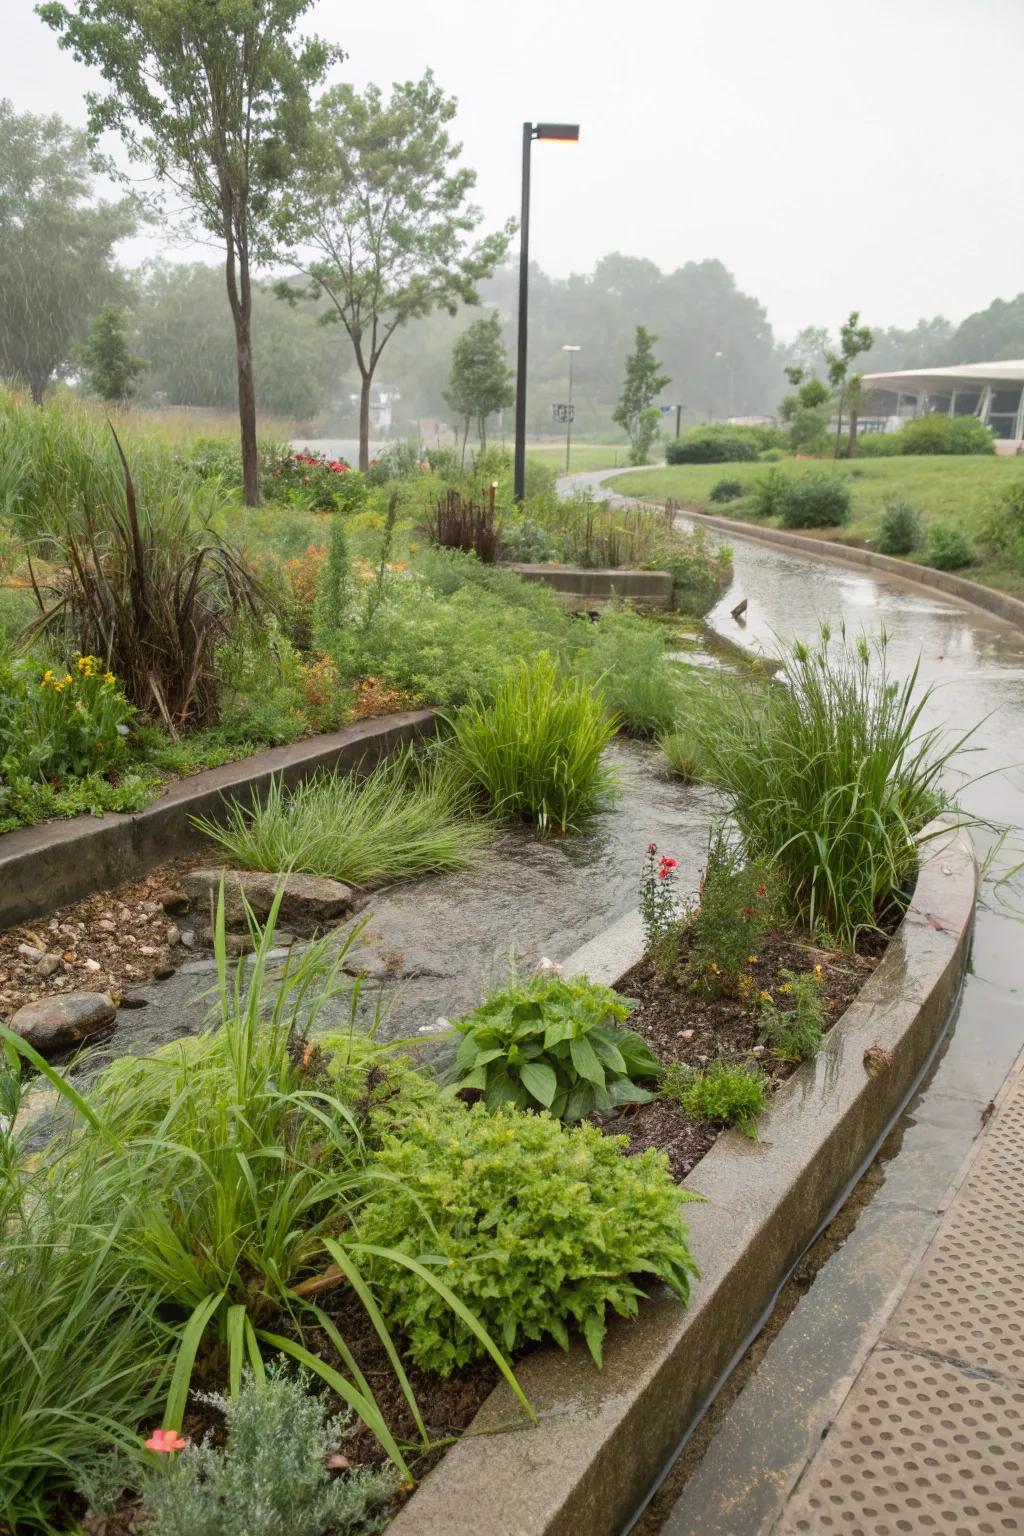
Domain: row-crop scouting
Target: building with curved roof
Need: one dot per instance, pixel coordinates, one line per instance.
(993, 392)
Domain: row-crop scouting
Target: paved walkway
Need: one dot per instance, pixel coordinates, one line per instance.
(928, 1432)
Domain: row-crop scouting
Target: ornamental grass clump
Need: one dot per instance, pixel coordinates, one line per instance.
(627, 661)
(534, 752)
(409, 817)
(830, 776)
(539, 1229)
(554, 1044)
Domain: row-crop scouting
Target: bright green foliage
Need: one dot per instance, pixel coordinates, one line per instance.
(700, 571)
(56, 245)
(682, 748)
(480, 383)
(554, 1044)
(829, 778)
(947, 548)
(769, 493)
(1002, 531)
(854, 339)
(726, 490)
(539, 1229)
(110, 366)
(725, 1092)
(408, 817)
(333, 591)
(795, 1030)
(535, 750)
(627, 662)
(380, 218)
(815, 501)
(899, 527)
(929, 434)
(636, 412)
(733, 911)
(56, 725)
(712, 445)
(270, 1477)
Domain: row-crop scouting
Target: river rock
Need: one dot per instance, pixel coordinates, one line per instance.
(48, 964)
(309, 901)
(174, 902)
(53, 1024)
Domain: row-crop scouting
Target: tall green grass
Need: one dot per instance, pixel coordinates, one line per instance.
(830, 775)
(410, 816)
(535, 750)
(627, 661)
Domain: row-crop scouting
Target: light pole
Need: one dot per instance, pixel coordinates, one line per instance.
(568, 420)
(567, 132)
(732, 381)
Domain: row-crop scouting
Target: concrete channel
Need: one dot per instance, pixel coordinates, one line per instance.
(742, 1482)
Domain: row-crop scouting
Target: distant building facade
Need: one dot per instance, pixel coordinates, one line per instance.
(993, 392)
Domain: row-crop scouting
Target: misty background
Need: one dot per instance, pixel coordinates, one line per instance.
(746, 176)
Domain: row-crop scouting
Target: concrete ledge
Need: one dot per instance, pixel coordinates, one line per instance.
(999, 604)
(653, 589)
(604, 1436)
(62, 861)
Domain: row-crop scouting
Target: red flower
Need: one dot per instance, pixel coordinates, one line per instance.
(165, 1441)
(667, 863)
(762, 890)
(652, 847)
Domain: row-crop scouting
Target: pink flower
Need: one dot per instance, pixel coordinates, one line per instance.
(652, 847)
(164, 1441)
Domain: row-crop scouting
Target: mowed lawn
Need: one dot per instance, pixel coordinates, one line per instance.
(584, 455)
(957, 491)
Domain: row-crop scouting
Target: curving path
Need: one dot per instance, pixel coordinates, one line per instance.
(763, 1445)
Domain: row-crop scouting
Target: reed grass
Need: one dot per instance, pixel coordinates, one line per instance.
(410, 816)
(535, 750)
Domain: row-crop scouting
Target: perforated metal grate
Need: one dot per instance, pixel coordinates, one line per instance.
(931, 1437)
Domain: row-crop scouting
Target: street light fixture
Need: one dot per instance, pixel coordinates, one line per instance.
(572, 350)
(569, 133)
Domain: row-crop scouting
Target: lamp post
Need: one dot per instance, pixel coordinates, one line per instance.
(567, 132)
(732, 382)
(568, 420)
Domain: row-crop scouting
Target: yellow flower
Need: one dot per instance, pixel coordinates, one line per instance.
(785, 987)
(109, 679)
(751, 959)
(764, 995)
(68, 679)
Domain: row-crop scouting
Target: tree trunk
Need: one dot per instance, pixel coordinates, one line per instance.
(465, 440)
(839, 423)
(483, 434)
(853, 433)
(240, 299)
(364, 421)
(37, 383)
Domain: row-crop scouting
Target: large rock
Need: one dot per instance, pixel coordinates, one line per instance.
(55, 1024)
(309, 901)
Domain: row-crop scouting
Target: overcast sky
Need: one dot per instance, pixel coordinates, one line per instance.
(832, 155)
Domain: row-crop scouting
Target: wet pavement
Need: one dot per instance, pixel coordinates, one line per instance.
(976, 664)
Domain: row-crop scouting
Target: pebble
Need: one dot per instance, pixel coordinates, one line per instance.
(188, 938)
(163, 969)
(758, 1051)
(91, 965)
(30, 952)
(134, 1000)
(148, 949)
(48, 964)
(106, 925)
(173, 935)
(686, 1034)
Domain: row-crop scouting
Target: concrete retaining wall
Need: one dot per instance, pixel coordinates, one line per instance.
(604, 1436)
(1000, 604)
(62, 861)
(650, 589)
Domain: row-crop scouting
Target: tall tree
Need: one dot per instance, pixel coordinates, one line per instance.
(636, 412)
(56, 245)
(480, 382)
(854, 339)
(214, 94)
(110, 367)
(379, 219)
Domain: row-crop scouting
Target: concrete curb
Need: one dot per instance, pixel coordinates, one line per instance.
(62, 861)
(999, 604)
(603, 1437)
(652, 589)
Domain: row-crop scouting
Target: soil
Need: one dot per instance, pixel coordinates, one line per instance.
(109, 942)
(694, 1026)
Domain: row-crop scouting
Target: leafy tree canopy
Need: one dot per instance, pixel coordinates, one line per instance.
(480, 382)
(644, 381)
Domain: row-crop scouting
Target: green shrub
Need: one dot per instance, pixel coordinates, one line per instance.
(771, 455)
(270, 1476)
(829, 778)
(535, 751)
(313, 481)
(878, 445)
(526, 541)
(59, 725)
(730, 919)
(408, 817)
(554, 1044)
(768, 494)
(815, 500)
(700, 571)
(944, 434)
(712, 445)
(1002, 530)
(626, 660)
(795, 1030)
(727, 490)
(725, 1092)
(537, 1228)
(899, 527)
(948, 549)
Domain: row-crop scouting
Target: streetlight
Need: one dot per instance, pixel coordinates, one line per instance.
(732, 381)
(566, 132)
(568, 420)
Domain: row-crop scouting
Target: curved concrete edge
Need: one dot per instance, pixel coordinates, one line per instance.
(999, 604)
(61, 861)
(603, 1436)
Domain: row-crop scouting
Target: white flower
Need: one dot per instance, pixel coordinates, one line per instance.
(548, 967)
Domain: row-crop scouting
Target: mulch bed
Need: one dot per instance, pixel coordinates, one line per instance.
(687, 1024)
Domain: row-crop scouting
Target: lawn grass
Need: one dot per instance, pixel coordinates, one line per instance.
(584, 455)
(957, 491)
